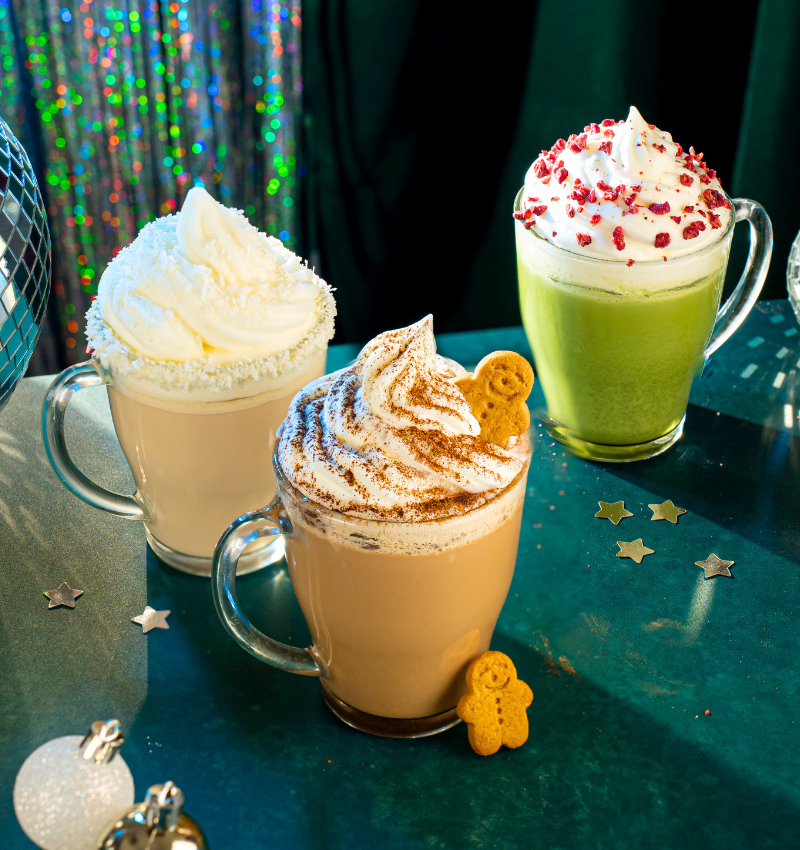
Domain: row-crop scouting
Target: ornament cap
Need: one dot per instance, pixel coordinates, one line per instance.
(102, 741)
(163, 806)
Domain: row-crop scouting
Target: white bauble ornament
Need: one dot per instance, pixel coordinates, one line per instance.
(69, 788)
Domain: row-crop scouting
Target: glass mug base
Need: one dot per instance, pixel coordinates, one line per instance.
(388, 727)
(254, 559)
(608, 454)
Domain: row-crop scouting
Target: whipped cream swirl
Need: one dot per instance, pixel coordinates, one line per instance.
(203, 299)
(624, 191)
(392, 437)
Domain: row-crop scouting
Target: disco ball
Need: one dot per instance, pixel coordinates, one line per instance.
(24, 261)
(793, 276)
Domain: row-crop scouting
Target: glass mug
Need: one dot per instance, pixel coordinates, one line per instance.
(187, 459)
(616, 366)
(396, 610)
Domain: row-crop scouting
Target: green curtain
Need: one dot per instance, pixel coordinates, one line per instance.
(422, 118)
(124, 105)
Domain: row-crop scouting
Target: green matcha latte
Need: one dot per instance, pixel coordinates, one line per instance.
(622, 246)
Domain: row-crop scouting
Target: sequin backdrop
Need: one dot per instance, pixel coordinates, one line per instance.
(124, 106)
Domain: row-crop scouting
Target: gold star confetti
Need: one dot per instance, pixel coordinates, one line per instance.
(152, 619)
(615, 511)
(62, 595)
(714, 566)
(666, 511)
(635, 550)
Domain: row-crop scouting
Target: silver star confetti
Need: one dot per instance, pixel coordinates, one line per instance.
(714, 566)
(635, 550)
(667, 511)
(152, 619)
(615, 511)
(62, 595)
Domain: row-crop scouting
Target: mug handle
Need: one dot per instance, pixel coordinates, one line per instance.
(237, 536)
(55, 405)
(734, 311)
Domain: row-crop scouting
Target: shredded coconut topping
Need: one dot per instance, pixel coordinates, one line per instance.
(392, 437)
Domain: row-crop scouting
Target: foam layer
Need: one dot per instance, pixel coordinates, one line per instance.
(624, 191)
(409, 538)
(393, 438)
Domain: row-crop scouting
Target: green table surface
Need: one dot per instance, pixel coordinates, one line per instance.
(623, 660)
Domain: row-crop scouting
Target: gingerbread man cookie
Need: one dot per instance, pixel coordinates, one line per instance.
(495, 703)
(496, 392)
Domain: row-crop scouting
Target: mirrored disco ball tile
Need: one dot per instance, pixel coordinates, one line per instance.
(24, 261)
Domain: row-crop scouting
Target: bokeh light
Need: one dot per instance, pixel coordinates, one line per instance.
(133, 103)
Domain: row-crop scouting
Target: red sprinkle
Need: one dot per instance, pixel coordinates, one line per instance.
(609, 134)
(605, 147)
(702, 213)
(679, 152)
(714, 221)
(687, 179)
(676, 219)
(659, 209)
(540, 168)
(538, 210)
(607, 122)
(593, 197)
(704, 178)
(707, 712)
(630, 263)
(688, 208)
(714, 199)
(661, 148)
(561, 175)
(554, 233)
(519, 216)
(692, 231)
(583, 239)
(618, 238)
(570, 211)
(595, 219)
(579, 144)
(711, 173)
(662, 240)
(528, 224)
(594, 128)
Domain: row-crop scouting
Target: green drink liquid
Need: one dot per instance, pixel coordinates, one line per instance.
(616, 368)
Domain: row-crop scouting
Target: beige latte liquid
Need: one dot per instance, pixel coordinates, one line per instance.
(199, 465)
(396, 621)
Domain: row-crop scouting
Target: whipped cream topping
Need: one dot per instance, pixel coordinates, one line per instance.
(202, 299)
(624, 191)
(392, 437)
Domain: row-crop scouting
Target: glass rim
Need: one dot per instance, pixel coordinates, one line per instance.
(283, 482)
(693, 255)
